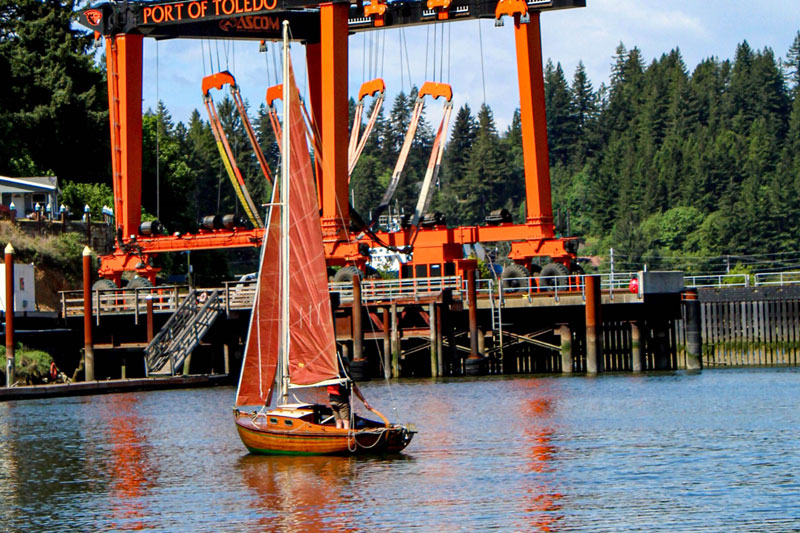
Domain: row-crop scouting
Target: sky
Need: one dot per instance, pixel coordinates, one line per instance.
(699, 28)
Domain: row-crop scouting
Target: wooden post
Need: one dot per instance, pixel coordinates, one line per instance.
(88, 346)
(10, 355)
(474, 365)
(691, 304)
(88, 216)
(226, 357)
(395, 342)
(150, 326)
(593, 335)
(434, 347)
(387, 344)
(473, 315)
(566, 349)
(636, 347)
(439, 342)
(358, 333)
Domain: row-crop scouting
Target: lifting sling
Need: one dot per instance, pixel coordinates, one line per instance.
(357, 144)
(276, 93)
(217, 81)
(435, 90)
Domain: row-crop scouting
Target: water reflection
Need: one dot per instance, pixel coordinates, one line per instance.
(298, 493)
(130, 469)
(544, 500)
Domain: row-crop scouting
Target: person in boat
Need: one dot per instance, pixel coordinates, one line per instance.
(339, 397)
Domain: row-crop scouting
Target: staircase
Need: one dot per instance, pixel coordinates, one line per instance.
(182, 333)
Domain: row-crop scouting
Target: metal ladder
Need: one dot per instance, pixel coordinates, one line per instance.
(496, 302)
(167, 352)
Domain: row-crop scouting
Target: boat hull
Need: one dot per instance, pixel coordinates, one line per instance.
(300, 432)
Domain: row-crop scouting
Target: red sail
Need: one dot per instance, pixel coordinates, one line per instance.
(312, 348)
(261, 353)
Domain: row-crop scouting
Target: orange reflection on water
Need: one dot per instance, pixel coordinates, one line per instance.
(299, 493)
(537, 416)
(130, 468)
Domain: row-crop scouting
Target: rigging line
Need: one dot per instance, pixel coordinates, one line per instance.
(449, 47)
(275, 63)
(383, 53)
(483, 74)
(400, 42)
(203, 57)
(408, 59)
(427, 38)
(433, 70)
(441, 55)
(158, 143)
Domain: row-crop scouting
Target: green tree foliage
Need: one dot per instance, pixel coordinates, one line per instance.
(53, 105)
(669, 165)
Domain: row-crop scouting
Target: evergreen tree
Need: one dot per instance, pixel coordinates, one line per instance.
(561, 120)
(53, 104)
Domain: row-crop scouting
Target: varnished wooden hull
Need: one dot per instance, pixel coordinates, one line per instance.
(297, 432)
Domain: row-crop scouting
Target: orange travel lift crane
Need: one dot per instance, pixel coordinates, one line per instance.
(375, 88)
(324, 28)
(217, 81)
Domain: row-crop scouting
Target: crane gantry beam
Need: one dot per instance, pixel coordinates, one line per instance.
(323, 27)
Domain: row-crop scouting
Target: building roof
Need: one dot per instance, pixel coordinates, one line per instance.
(37, 184)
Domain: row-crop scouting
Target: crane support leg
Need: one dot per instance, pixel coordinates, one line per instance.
(534, 124)
(124, 67)
(314, 69)
(334, 118)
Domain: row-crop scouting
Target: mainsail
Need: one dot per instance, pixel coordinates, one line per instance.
(312, 345)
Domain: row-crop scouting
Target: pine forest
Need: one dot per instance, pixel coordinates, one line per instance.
(673, 166)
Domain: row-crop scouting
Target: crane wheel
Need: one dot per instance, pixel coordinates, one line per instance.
(347, 273)
(511, 272)
(104, 284)
(139, 283)
(549, 271)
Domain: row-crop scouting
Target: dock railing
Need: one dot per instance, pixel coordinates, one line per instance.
(397, 289)
(776, 278)
(717, 280)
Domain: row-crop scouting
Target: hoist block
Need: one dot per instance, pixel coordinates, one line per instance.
(510, 8)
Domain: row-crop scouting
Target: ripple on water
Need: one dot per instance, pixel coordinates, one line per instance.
(710, 451)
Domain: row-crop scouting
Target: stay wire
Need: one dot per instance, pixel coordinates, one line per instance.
(372, 326)
(483, 74)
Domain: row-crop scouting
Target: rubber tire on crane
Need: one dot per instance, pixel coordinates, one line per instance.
(104, 284)
(139, 283)
(359, 369)
(347, 274)
(511, 271)
(550, 270)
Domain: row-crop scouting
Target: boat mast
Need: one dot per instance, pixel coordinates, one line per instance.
(286, 158)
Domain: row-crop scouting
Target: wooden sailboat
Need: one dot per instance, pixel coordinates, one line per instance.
(291, 342)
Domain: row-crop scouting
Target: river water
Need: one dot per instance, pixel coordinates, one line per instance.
(714, 451)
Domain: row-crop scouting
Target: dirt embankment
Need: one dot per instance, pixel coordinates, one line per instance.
(49, 282)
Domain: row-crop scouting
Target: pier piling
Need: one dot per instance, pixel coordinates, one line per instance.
(473, 366)
(566, 349)
(636, 348)
(691, 307)
(387, 344)
(594, 355)
(10, 356)
(88, 345)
